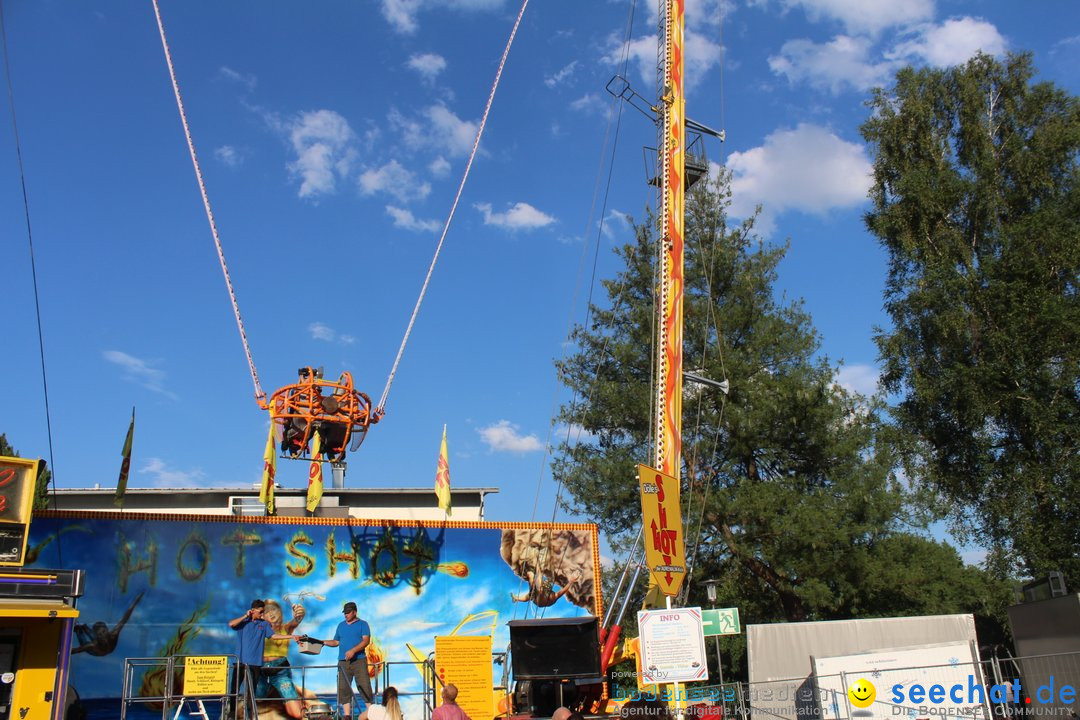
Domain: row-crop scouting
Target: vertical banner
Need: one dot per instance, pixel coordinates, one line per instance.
(665, 546)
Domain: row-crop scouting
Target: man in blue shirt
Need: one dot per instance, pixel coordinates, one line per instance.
(251, 634)
(352, 637)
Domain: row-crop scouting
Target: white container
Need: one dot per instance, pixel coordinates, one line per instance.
(310, 647)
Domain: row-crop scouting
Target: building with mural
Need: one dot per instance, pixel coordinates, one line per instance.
(167, 584)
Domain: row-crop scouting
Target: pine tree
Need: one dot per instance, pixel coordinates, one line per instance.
(789, 475)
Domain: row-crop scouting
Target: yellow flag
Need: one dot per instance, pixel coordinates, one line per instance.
(314, 482)
(266, 490)
(442, 477)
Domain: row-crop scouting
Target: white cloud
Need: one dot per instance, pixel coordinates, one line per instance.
(393, 179)
(441, 129)
(573, 434)
(953, 42)
(521, 216)
(503, 437)
(616, 220)
(808, 169)
(429, 65)
(139, 371)
(842, 61)
(321, 331)
(439, 167)
(228, 155)
(407, 221)
(457, 134)
(401, 14)
(860, 16)
(590, 104)
(323, 143)
(862, 379)
(701, 53)
(248, 81)
(165, 477)
(565, 72)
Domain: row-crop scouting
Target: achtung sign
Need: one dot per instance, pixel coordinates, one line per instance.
(206, 675)
(665, 546)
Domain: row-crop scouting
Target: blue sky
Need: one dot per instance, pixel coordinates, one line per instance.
(332, 137)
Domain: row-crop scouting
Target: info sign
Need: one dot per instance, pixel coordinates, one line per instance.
(672, 646)
(465, 661)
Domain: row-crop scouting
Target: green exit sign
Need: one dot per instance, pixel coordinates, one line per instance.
(722, 621)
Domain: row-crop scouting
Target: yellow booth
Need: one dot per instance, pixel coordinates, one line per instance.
(37, 608)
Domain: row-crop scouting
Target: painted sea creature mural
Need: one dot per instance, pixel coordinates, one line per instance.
(168, 585)
(548, 557)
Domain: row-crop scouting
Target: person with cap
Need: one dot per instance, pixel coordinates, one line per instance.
(449, 710)
(252, 631)
(351, 638)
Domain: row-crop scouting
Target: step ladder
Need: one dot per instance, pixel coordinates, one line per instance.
(198, 711)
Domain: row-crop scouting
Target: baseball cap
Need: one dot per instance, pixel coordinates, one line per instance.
(349, 606)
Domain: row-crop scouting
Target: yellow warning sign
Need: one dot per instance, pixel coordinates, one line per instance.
(206, 675)
(465, 662)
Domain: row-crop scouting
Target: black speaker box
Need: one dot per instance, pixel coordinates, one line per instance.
(555, 648)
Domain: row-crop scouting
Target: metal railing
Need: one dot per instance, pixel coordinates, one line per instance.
(315, 704)
(171, 700)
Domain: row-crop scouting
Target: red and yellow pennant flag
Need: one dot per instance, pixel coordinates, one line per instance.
(314, 482)
(266, 489)
(442, 477)
(125, 464)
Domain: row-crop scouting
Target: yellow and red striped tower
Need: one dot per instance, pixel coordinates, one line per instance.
(672, 166)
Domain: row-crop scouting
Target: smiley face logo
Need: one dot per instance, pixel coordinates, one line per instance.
(861, 693)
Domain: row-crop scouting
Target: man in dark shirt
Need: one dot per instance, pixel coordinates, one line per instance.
(352, 637)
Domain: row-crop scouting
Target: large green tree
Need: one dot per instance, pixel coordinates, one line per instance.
(977, 202)
(788, 477)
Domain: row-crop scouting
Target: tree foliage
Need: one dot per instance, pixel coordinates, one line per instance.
(976, 201)
(788, 476)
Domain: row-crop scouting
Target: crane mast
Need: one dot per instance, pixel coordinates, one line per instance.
(671, 166)
(662, 536)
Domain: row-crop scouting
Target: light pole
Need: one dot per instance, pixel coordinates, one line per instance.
(710, 591)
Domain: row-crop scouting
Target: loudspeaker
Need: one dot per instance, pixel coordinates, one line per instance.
(555, 648)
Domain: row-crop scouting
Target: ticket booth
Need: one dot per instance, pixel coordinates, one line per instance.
(37, 608)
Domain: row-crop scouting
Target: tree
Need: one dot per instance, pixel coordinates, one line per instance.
(801, 516)
(976, 201)
(41, 489)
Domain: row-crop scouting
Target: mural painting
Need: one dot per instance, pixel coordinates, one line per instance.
(168, 585)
